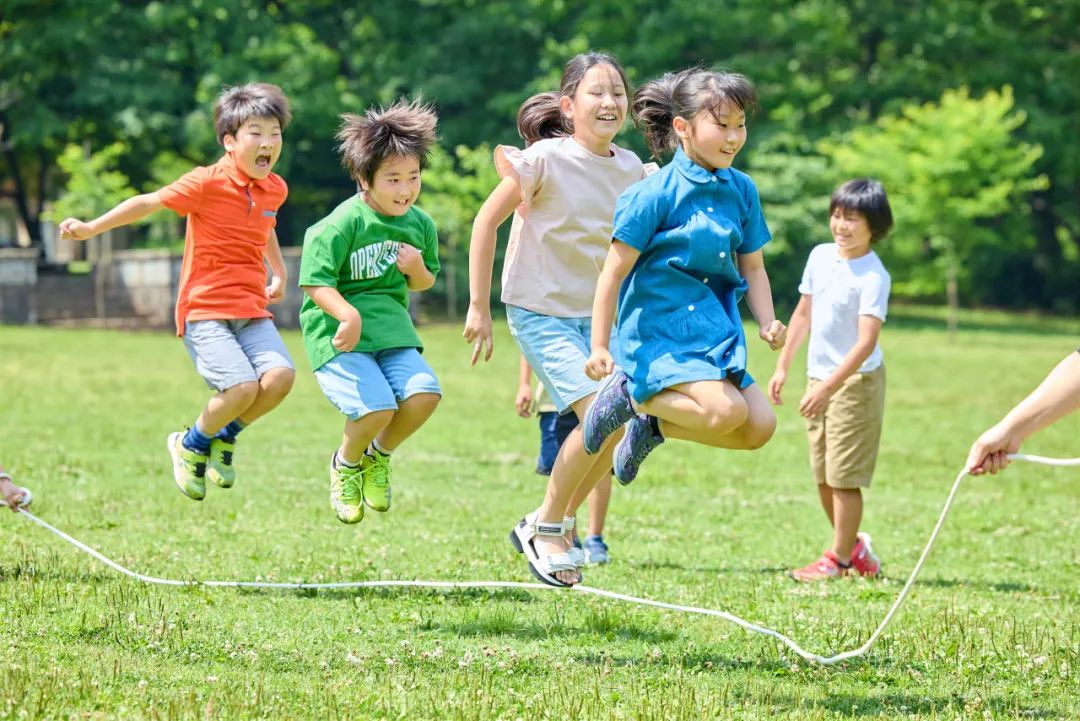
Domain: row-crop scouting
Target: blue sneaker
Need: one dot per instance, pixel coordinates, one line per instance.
(609, 410)
(596, 551)
(636, 443)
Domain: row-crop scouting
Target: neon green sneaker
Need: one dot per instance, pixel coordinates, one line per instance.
(219, 468)
(376, 481)
(345, 495)
(189, 467)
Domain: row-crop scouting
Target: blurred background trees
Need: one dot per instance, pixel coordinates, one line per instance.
(968, 110)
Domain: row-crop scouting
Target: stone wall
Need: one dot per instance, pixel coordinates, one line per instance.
(131, 288)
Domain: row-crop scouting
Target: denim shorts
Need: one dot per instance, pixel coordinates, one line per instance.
(556, 349)
(227, 353)
(362, 383)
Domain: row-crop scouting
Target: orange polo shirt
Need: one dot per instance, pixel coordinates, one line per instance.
(229, 219)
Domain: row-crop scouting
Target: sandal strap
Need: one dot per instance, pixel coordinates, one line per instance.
(568, 523)
(556, 562)
(544, 528)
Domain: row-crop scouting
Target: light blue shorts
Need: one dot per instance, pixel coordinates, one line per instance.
(362, 383)
(227, 353)
(556, 350)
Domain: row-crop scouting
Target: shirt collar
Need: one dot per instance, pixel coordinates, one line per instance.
(694, 172)
(236, 175)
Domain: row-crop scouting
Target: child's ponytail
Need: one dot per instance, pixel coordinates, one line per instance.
(541, 117)
(654, 109)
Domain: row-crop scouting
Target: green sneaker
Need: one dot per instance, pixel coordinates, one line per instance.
(189, 467)
(219, 468)
(345, 495)
(376, 481)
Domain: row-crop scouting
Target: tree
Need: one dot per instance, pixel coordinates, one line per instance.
(949, 167)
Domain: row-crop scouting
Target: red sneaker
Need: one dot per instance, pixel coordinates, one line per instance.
(863, 559)
(825, 568)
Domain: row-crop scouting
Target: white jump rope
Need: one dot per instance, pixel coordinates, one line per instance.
(826, 660)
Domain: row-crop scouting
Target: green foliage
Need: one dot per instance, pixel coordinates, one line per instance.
(94, 72)
(950, 167)
(94, 185)
(455, 186)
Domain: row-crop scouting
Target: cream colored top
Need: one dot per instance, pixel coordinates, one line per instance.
(562, 230)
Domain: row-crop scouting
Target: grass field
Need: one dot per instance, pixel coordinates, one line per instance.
(991, 631)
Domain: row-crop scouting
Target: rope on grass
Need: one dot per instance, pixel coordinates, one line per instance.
(754, 628)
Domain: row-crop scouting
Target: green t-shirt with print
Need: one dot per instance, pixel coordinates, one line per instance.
(354, 249)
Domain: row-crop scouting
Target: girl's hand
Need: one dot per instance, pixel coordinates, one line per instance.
(815, 401)
(776, 385)
(409, 260)
(348, 334)
(74, 229)
(774, 334)
(523, 400)
(600, 364)
(478, 332)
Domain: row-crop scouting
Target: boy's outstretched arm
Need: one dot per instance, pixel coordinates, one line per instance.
(334, 304)
(279, 273)
(759, 298)
(125, 213)
(798, 327)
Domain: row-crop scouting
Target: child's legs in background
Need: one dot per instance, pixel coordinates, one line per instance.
(415, 389)
(714, 413)
(599, 499)
(844, 442)
(550, 440)
(263, 346)
(353, 382)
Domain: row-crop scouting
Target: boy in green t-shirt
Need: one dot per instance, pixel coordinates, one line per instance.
(358, 266)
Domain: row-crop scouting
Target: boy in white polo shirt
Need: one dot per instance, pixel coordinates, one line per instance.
(845, 295)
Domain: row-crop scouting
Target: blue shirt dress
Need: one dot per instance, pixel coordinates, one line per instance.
(678, 317)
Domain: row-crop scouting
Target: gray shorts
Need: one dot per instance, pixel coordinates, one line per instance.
(227, 353)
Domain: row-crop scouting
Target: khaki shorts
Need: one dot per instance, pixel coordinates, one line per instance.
(844, 439)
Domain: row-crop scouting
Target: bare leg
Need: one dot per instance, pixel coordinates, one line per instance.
(412, 413)
(753, 433)
(572, 474)
(227, 405)
(825, 494)
(847, 510)
(598, 505)
(274, 385)
(359, 434)
(716, 406)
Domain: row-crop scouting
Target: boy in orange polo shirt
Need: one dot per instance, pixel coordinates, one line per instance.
(221, 307)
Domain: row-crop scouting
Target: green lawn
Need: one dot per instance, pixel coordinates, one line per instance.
(991, 631)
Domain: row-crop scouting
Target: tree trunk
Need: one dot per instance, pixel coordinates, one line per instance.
(450, 273)
(22, 200)
(952, 293)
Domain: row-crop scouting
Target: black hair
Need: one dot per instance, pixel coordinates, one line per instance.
(541, 115)
(237, 105)
(866, 196)
(365, 141)
(685, 94)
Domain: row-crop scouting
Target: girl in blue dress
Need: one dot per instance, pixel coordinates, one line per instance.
(686, 248)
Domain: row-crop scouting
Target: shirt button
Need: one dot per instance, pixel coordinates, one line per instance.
(690, 308)
(723, 254)
(709, 209)
(704, 280)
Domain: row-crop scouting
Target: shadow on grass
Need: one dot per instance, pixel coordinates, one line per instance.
(1011, 325)
(503, 624)
(714, 570)
(897, 703)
